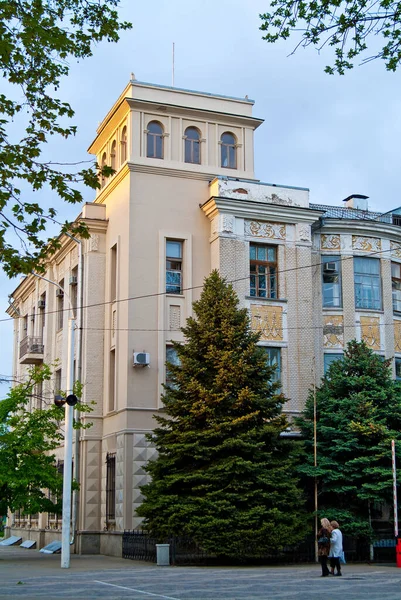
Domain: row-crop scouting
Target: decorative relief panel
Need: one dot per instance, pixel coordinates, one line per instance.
(227, 224)
(174, 318)
(261, 229)
(333, 331)
(304, 233)
(395, 249)
(269, 321)
(397, 336)
(94, 242)
(330, 242)
(370, 332)
(366, 244)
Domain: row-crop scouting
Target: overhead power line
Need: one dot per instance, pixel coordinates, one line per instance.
(158, 294)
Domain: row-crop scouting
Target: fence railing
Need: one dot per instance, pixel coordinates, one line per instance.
(139, 545)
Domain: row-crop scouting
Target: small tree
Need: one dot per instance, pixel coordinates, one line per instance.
(223, 475)
(28, 437)
(358, 414)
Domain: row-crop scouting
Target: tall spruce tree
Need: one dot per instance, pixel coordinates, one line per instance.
(358, 414)
(223, 475)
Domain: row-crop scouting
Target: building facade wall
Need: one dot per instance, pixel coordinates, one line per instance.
(216, 214)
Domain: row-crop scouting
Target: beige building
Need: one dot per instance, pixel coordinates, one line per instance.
(183, 201)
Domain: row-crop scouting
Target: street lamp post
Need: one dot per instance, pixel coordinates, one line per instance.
(68, 429)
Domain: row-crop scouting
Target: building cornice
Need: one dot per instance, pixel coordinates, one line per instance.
(201, 113)
(112, 184)
(249, 209)
(368, 228)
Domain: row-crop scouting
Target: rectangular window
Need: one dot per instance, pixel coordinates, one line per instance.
(367, 283)
(57, 382)
(110, 487)
(171, 357)
(331, 280)
(274, 360)
(60, 305)
(263, 271)
(330, 358)
(396, 285)
(112, 380)
(74, 288)
(398, 369)
(42, 311)
(173, 267)
(113, 273)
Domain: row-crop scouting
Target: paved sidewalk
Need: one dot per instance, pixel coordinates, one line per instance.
(33, 576)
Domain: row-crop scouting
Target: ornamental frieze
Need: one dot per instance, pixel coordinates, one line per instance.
(397, 336)
(261, 229)
(333, 331)
(268, 320)
(370, 332)
(366, 244)
(395, 249)
(330, 242)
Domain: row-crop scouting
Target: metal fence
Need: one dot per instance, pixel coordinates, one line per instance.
(139, 545)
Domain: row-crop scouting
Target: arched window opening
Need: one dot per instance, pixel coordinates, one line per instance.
(123, 143)
(154, 140)
(103, 164)
(228, 151)
(192, 146)
(113, 156)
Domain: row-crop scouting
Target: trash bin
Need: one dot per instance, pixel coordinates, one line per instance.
(163, 555)
(398, 552)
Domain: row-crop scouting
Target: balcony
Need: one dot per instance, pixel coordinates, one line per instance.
(31, 351)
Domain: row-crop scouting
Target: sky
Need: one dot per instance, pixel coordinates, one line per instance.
(336, 135)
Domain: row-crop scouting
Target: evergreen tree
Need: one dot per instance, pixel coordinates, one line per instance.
(358, 414)
(223, 475)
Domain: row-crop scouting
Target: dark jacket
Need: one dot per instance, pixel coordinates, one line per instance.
(323, 549)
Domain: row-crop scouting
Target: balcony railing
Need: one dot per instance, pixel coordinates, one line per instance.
(31, 350)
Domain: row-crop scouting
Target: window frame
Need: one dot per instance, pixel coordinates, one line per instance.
(151, 141)
(113, 155)
(360, 304)
(167, 381)
(333, 356)
(123, 145)
(169, 269)
(271, 350)
(225, 148)
(190, 145)
(396, 280)
(271, 294)
(110, 487)
(324, 260)
(60, 307)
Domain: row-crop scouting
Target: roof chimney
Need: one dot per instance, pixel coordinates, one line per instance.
(357, 201)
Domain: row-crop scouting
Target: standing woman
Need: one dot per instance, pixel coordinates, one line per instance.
(323, 545)
(336, 548)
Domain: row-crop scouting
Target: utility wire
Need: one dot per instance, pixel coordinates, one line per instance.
(157, 294)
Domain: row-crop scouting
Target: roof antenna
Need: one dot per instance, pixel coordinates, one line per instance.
(172, 78)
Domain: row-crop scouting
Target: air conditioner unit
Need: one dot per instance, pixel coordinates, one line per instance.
(59, 293)
(330, 267)
(73, 280)
(42, 304)
(141, 359)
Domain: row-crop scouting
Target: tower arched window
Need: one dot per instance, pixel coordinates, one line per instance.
(113, 155)
(192, 146)
(103, 164)
(154, 147)
(123, 142)
(228, 150)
